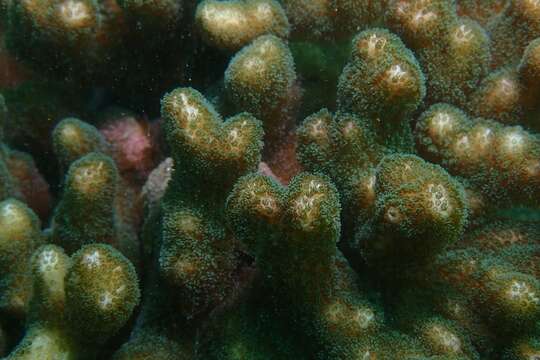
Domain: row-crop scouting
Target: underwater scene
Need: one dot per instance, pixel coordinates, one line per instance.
(270, 179)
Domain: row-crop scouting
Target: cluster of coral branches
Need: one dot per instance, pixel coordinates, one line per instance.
(270, 180)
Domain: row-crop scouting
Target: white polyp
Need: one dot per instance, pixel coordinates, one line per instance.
(233, 135)
(70, 132)
(47, 260)
(10, 212)
(393, 215)
(521, 291)
(267, 202)
(304, 204)
(463, 144)
(370, 184)
(442, 122)
(486, 136)
(47, 344)
(514, 141)
(266, 46)
(423, 16)
(507, 87)
(92, 260)
(253, 63)
(105, 300)
(317, 128)
(223, 16)
(439, 199)
(86, 174)
(396, 73)
(250, 188)
(263, 11)
(314, 186)
(364, 318)
(349, 127)
(190, 111)
(304, 207)
(463, 34)
(448, 339)
(375, 44)
(74, 11)
(407, 167)
(366, 355)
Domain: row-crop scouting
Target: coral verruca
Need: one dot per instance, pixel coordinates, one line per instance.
(270, 179)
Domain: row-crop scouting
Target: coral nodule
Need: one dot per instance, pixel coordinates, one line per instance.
(270, 179)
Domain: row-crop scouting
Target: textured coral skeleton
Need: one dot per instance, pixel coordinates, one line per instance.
(270, 179)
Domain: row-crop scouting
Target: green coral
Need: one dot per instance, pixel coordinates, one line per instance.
(383, 80)
(71, 312)
(350, 180)
(197, 254)
(73, 138)
(20, 235)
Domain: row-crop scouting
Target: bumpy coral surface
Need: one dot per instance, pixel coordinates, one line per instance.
(270, 179)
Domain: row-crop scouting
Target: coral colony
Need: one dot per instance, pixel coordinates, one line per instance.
(270, 180)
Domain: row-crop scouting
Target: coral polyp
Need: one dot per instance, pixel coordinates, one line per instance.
(270, 179)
